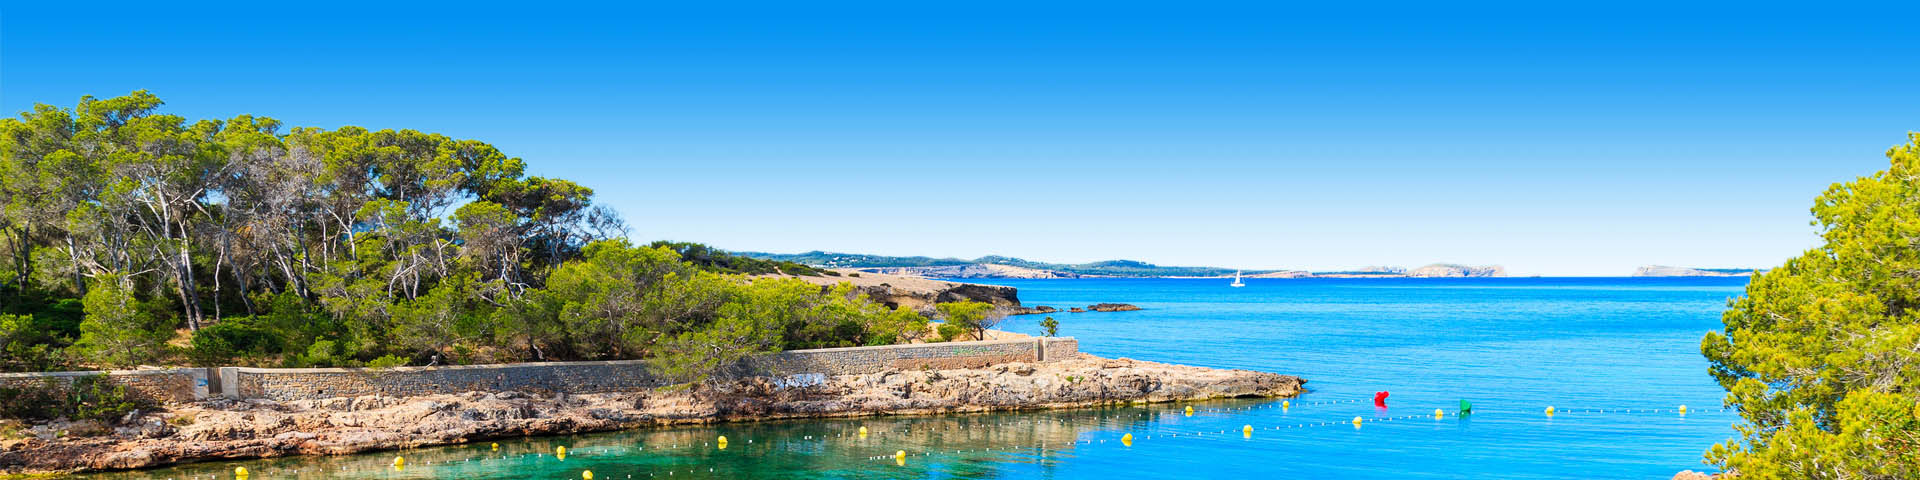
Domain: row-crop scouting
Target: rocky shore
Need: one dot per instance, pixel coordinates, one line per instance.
(229, 429)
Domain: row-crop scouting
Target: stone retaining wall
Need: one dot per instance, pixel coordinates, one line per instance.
(187, 384)
(171, 385)
(597, 377)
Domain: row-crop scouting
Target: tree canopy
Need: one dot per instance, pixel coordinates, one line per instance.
(1821, 357)
(123, 229)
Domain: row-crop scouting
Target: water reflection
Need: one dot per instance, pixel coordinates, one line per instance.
(967, 446)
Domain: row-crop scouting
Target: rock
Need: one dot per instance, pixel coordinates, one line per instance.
(1037, 309)
(232, 430)
(1076, 310)
(1112, 307)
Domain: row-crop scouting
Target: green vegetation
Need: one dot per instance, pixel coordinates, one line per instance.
(133, 237)
(717, 260)
(1820, 356)
(968, 318)
(1109, 268)
(1051, 326)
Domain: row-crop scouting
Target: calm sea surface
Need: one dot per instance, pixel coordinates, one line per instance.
(1511, 346)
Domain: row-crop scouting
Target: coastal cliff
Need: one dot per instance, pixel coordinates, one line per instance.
(1666, 271)
(919, 294)
(1440, 270)
(972, 271)
(234, 429)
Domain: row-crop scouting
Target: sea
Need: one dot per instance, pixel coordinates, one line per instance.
(1616, 359)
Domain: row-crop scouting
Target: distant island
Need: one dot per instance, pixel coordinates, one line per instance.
(1666, 271)
(995, 266)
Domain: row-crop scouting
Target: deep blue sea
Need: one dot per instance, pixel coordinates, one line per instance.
(1614, 356)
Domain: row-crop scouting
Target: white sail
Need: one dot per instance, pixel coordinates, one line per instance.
(1236, 280)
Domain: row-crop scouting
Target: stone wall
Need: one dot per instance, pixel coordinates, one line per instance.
(597, 377)
(188, 384)
(171, 385)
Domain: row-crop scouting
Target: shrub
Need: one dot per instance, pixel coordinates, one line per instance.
(24, 345)
(234, 338)
(389, 361)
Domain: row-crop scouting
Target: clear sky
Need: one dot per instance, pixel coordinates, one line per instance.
(1550, 139)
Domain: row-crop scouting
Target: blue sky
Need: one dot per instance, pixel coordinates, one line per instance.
(1550, 139)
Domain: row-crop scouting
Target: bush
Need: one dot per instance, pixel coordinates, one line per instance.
(235, 338)
(389, 361)
(25, 345)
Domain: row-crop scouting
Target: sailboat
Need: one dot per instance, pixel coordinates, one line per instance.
(1236, 280)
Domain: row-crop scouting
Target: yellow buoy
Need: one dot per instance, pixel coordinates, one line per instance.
(900, 457)
(240, 472)
(496, 447)
(863, 432)
(722, 442)
(1189, 410)
(1286, 404)
(1549, 410)
(1683, 409)
(586, 474)
(399, 463)
(1356, 421)
(559, 450)
(1247, 429)
(1437, 413)
(1126, 439)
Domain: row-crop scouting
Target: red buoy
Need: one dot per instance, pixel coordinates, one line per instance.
(1379, 399)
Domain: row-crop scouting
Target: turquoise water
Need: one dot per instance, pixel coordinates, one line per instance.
(1512, 346)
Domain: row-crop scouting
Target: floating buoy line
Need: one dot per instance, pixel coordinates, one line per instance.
(1128, 438)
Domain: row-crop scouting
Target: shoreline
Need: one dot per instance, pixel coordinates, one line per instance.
(229, 429)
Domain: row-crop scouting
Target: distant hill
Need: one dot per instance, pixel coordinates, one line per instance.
(995, 266)
(1020, 268)
(1666, 271)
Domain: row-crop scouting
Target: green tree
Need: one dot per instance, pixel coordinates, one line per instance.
(351, 246)
(974, 317)
(1051, 326)
(1819, 357)
(116, 331)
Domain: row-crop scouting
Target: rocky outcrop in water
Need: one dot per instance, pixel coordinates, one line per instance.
(1112, 307)
(228, 429)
